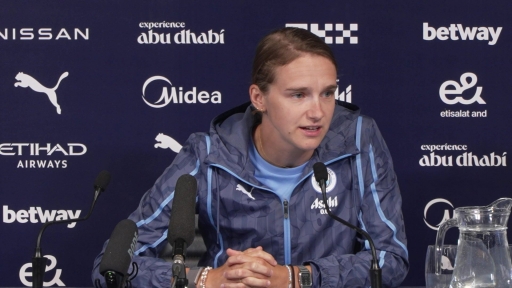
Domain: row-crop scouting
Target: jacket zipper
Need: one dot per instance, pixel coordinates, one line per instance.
(287, 240)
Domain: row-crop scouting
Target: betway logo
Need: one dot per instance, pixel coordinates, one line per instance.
(36, 215)
(457, 31)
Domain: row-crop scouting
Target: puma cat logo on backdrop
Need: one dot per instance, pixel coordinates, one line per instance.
(241, 188)
(26, 80)
(167, 142)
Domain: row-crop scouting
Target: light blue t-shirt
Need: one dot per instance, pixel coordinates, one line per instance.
(280, 180)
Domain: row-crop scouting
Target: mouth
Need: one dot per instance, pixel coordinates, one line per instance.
(310, 128)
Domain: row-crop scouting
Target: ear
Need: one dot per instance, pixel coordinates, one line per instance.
(257, 97)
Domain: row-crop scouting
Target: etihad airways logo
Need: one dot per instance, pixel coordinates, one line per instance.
(458, 31)
(43, 34)
(177, 96)
(25, 80)
(37, 149)
(339, 32)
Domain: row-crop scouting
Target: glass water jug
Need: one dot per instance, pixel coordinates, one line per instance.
(483, 258)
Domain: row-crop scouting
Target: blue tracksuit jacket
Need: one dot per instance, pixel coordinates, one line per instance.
(362, 189)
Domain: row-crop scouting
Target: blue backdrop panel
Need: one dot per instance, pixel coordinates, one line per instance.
(132, 80)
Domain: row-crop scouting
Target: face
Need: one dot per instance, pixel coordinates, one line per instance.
(298, 105)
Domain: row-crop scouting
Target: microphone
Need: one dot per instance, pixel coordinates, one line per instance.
(182, 226)
(321, 176)
(39, 262)
(119, 253)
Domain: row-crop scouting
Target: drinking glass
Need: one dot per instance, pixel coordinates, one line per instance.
(447, 262)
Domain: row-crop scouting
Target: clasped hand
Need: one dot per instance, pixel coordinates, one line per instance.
(250, 268)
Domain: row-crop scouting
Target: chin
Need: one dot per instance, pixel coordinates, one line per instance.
(309, 147)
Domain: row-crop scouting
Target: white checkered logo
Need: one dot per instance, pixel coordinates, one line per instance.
(342, 32)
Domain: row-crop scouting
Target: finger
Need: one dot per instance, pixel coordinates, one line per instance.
(252, 249)
(247, 282)
(259, 253)
(253, 252)
(244, 258)
(232, 252)
(248, 270)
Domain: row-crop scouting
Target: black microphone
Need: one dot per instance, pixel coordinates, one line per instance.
(39, 262)
(119, 253)
(182, 226)
(321, 177)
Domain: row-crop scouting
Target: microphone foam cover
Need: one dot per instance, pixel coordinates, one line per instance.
(102, 180)
(120, 248)
(320, 172)
(182, 221)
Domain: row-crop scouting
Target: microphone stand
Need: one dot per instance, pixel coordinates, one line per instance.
(178, 268)
(39, 262)
(375, 271)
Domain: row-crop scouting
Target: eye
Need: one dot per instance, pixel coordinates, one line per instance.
(298, 95)
(329, 93)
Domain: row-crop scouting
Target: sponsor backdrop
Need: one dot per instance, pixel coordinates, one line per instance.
(91, 85)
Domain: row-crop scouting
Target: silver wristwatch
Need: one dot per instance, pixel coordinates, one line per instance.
(304, 277)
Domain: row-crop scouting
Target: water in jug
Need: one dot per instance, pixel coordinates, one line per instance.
(483, 258)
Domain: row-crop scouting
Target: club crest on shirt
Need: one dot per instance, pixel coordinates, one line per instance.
(329, 186)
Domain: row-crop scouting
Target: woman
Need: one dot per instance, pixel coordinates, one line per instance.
(261, 213)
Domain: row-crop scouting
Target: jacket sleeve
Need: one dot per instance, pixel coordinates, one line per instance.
(380, 215)
(152, 219)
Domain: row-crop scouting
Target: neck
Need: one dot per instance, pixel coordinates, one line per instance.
(279, 158)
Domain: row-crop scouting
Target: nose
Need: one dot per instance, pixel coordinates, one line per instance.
(315, 110)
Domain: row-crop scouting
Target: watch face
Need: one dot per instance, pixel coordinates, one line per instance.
(305, 279)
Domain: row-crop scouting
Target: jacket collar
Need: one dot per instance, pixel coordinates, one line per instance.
(230, 134)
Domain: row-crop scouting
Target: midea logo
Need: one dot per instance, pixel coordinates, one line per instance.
(457, 90)
(188, 97)
(446, 215)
